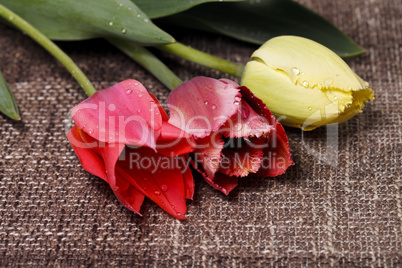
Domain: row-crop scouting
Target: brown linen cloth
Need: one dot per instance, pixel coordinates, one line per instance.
(349, 214)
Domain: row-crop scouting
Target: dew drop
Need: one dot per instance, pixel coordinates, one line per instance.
(111, 23)
(146, 20)
(123, 30)
(295, 71)
(90, 131)
(139, 111)
(136, 84)
(164, 188)
(140, 95)
(305, 84)
(205, 102)
(84, 125)
(157, 193)
(178, 214)
(129, 91)
(139, 15)
(112, 107)
(335, 97)
(328, 81)
(213, 107)
(310, 108)
(121, 4)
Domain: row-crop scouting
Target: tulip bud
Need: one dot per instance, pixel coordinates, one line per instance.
(305, 84)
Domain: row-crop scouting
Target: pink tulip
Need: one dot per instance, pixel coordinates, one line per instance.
(235, 133)
(122, 135)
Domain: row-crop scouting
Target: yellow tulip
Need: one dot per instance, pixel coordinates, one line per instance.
(305, 84)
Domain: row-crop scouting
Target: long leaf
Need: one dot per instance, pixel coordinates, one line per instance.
(84, 19)
(162, 8)
(8, 106)
(258, 21)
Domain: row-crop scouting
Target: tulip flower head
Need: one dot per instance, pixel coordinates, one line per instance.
(305, 84)
(122, 136)
(235, 133)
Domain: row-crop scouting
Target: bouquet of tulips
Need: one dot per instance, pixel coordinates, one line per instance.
(221, 129)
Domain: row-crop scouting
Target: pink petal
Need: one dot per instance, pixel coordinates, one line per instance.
(157, 177)
(277, 156)
(246, 123)
(174, 141)
(209, 153)
(202, 105)
(124, 113)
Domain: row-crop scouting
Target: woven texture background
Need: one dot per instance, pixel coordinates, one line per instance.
(349, 214)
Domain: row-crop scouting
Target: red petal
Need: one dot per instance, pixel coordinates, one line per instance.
(202, 105)
(109, 152)
(188, 182)
(241, 161)
(124, 113)
(128, 195)
(92, 162)
(221, 182)
(89, 159)
(157, 177)
(174, 141)
(277, 157)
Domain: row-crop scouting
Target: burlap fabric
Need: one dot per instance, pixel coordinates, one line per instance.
(345, 214)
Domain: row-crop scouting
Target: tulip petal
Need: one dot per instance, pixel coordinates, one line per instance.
(202, 105)
(243, 159)
(278, 152)
(246, 123)
(129, 196)
(209, 153)
(109, 152)
(89, 159)
(188, 182)
(174, 141)
(157, 177)
(92, 162)
(124, 113)
(221, 182)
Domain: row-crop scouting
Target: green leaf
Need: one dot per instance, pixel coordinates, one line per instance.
(162, 8)
(8, 105)
(258, 21)
(84, 19)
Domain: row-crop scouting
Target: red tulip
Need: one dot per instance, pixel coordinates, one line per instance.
(235, 132)
(122, 135)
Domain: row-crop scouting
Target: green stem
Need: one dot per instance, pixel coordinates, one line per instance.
(204, 59)
(51, 47)
(147, 60)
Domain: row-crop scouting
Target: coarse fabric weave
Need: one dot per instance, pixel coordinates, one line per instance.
(343, 210)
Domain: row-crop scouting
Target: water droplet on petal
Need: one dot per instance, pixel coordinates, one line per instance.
(164, 188)
(111, 23)
(139, 111)
(335, 97)
(112, 107)
(213, 107)
(310, 108)
(157, 193)
(329, 81)
(136, 84)
(128, 91)
(140, 95)
(90, 131)
(205, 102)
(123, 30)
(305, 84)
(295, 71)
